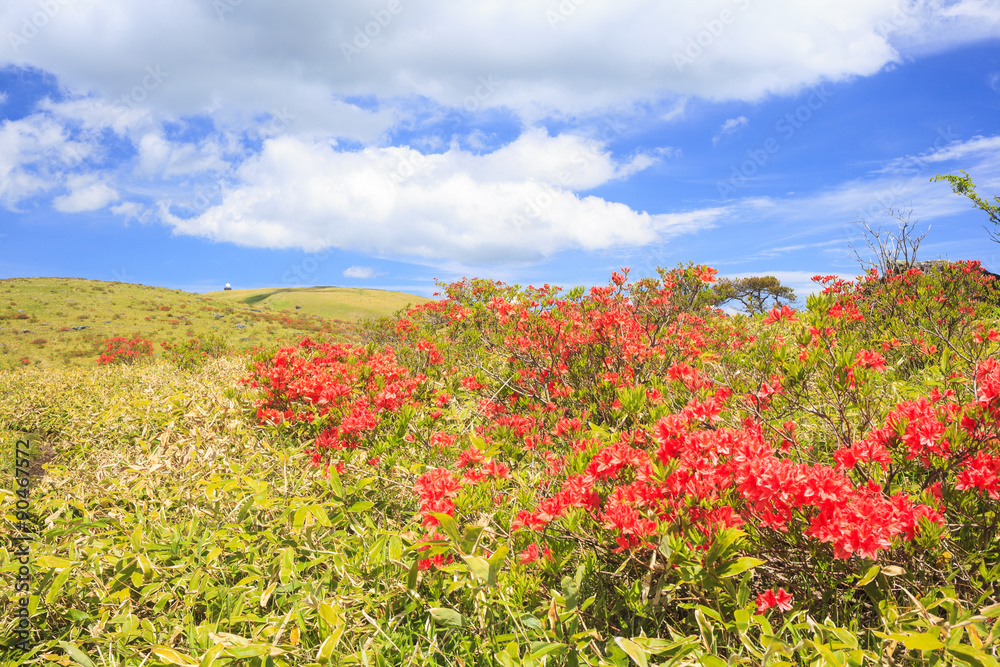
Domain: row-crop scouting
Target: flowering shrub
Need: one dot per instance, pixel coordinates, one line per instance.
(120, 350)
(681, 458)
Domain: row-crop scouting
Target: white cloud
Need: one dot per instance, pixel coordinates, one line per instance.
(730, 126)
(359, 272)
(160, 157)
(520, 203)
(35, 153)
(87, 193)
(961, 150)
(675, 112)
(3, 98)
(131, 210)
(443, 51)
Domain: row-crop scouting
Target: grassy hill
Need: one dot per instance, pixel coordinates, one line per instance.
(64, 321)
(341, 303)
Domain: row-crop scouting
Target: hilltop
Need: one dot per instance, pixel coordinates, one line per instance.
(64, 321)
(342, 303)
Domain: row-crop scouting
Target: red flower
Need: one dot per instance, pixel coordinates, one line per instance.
(770, 598)
(775, 315)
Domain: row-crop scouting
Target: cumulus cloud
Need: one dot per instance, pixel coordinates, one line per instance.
(569, 57)
(87, 193)
(35, 153)
(359, 272)
(519, 203)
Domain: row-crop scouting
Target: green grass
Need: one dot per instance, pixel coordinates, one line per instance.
(63, 321)
(341, 303)
(175, 523)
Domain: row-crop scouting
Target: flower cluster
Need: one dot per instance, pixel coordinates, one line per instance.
(120, 350)
(635, 413)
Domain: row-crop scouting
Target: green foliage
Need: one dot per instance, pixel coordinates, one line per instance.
(177, 528)
(756, 294)
(963, 185)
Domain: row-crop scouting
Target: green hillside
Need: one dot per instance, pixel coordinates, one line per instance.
(340, 303)
(64, 321)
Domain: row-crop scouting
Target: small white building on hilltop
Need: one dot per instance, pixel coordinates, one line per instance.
(227, 288)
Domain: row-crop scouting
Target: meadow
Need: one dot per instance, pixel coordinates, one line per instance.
(336, 303)
(624, 475)
(65, 321)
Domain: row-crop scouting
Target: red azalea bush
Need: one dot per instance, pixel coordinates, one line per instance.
(121, 350)
(681, 456)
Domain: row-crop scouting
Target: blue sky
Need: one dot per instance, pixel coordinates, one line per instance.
(191, 143)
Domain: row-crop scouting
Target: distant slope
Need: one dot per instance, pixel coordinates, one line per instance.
(341, 303)
(64, 321)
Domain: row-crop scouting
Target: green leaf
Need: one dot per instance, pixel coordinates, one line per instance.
(541, 649)
(923, 641)
(300, 517)
(824, 650)
(531, 621)
(362, 506)
(633, 651)
(479, 567)
(571, 592)
(710, 660)
(338, 490)
(471, 539)
(171, 656)
(722, 543)
(327, 613)
(266, 595)
(449, 526)
(211, 655)
(973, 656)
(447, 617)
(411, 576)
(77, 654)
(738, 566)
(57, 585)
(992, 611)
(287, 564)
(869, 575)
(52, 561)
(326, 649)
(505, 660)
(249, 651)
